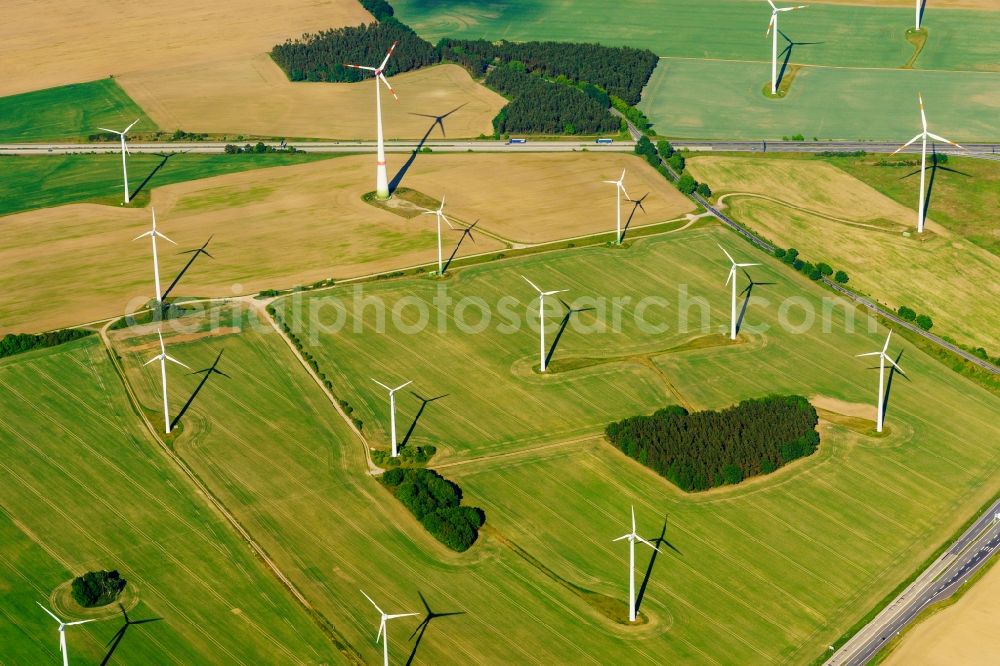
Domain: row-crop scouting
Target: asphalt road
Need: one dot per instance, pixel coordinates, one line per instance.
(980, 150)
(966, 556)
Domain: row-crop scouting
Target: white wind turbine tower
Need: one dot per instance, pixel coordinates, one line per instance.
(440, 216)
(62, 632)
(882, 358)
(923, 136)
(541, 318)
(392, 411)
(773, 26)
(124, 151)
(732, 277)
(382, 181)
(153, 234)
(632, 538)
(919, 2)
(619, 189)
(383, 632)
(163, 357)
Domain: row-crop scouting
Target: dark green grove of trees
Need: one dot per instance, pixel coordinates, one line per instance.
(436, 502)
(97, 588)
(712, 448)
(545, 107)
(17, 343)
(620, 71)
(380, 9)
(322, 56)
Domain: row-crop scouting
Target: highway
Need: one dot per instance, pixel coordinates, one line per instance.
(938, 582)
(979, 150)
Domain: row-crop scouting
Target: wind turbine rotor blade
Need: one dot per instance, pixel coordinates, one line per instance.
(557, 291)
(399, 615)
(770, 2)
(386, 82)
(70, 624)
(105, 129)
(363, 592)
(125, 131)
(887, 338)
(532, 284)
(51, 614)
(174, 360)
(381, 629)
(651, 545)
(170, 241)
(770, 25)
(387, 389)
(633, 520)
(448, 222)
(894, 364)
(868, 354)
(746, 265)
(148, 233)
(732, 275)
(624, 536)
(728, 256)
(909, 143)
(388, 55)
(369, 69)
(155, 358)
(943, 140)
(403, 385)
(923, 115)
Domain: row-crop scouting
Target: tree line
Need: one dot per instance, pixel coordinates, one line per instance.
(436, 503)
(17, 343)
(545, 107)
(621, 71)
(701, 450)
(322, 56)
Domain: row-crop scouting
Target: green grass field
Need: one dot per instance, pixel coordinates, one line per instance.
(683, 99)
(774, 569)
(843, 35)
(53, 180)
(69, 113)
(83, 487)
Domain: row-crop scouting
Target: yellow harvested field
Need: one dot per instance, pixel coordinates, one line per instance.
(251, 95)
(830, 216)
(58, 42)
(965, 633)
(274, 228)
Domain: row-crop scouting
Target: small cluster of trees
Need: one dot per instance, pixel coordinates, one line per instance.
(321, 56)
(436, 503)
(620, 71)
(409, 456)
(921, 320)
(713, 448)
(259, 147)
(97, 588)
(810, 270)
(380, 9)
(17, 343)
(545, 107)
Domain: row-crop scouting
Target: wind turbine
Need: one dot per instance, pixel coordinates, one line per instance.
(62, 632)
(882, 358)
(772, 26)
(439, 213)
(382, 181)
(619, 189)
(392, 411)
(383, 633)
(541, 317)
(153, 233)
(632, 538)
(923, 136)
(163, 357)
(919, 2)
(732, 277)
(124, 151)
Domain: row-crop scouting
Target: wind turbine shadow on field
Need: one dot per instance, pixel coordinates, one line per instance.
(207, 372)
(113, 643)
(163, 162)
(934, 166)
(422, 627)
(893, 369)
(438, 122)
(658, 541)
(194, 255)
(466, 232)
(420, 412)
(746, 300)
(570, 311)
(636, 204)
(786, 55)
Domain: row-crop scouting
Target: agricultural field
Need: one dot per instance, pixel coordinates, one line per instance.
(960, 633)
(253, 95)
(777, 567)
(337, 234)
(70, 112)
(83, 487)
(149, 37)
(827, 103)
(806, 204)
